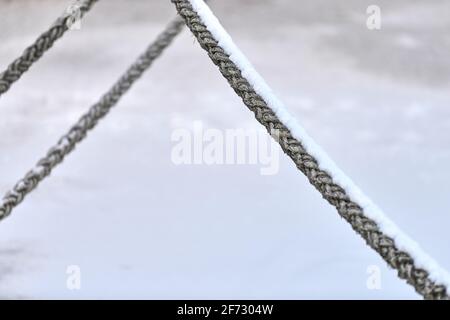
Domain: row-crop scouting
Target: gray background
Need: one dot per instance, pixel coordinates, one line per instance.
(141, 227)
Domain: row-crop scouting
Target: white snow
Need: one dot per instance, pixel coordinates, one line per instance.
(141, 227)
(403, 241)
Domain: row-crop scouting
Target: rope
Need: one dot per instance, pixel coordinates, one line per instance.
(45, 41)
(89, 120)
(308, 165)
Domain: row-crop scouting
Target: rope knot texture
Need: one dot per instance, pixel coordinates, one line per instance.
(335, 194)
(331, 191)
(45, 41)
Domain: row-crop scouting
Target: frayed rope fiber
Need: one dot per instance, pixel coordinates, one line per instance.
(89, 120)
(336, 195)
(45, 41)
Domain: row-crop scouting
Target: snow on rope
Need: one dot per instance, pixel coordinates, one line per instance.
(89, 120)
(45, 41)
(379, 232)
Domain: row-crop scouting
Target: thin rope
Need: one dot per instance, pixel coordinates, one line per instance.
(351, 211)
(89, 120)
(45, 41)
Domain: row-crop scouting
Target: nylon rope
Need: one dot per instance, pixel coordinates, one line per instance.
(336, 195)
(43, 43)
(89, 120)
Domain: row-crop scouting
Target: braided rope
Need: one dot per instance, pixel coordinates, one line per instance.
(89, 120)
(45, 41)
(320, 179)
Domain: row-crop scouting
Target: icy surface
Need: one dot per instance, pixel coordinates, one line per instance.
(141, 227)
(387, 226)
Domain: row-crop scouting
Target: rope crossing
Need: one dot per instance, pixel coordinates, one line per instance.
(89, 120)
(308, 165)
(45, 41)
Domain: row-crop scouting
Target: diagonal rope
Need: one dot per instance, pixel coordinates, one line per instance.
(89, 120)
(45, 41)
(334, 193)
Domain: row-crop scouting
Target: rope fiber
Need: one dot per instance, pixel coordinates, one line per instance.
(45, 41)
(308, 165)
(334, 193)
(89, 120)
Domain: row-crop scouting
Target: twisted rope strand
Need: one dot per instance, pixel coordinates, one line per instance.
(89, 120)
(45, 41)
(320, 179)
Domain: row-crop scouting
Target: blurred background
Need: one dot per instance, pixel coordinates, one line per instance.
(139, 226)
